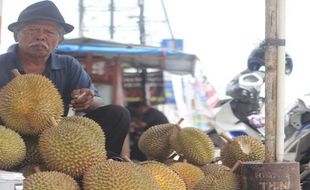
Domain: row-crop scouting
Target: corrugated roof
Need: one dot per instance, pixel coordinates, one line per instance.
(135, 55)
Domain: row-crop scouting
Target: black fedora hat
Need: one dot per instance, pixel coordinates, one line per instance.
(43, 10)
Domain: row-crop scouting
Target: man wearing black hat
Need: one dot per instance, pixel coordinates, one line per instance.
(38, 31)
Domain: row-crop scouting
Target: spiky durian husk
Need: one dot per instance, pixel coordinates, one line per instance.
(190, 173)
(118, 175)
(234, 151)
(220, 180)
(12, 148)
(70, 148)
(154, 142)
(89, 124)
(193, 144)
(212, 168)
(28, 102)
(50, 180)
(166, 177)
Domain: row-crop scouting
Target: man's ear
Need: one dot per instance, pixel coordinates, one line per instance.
(15, 37)
(61, 39)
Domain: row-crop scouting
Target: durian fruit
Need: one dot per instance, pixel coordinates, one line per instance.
(28, 102)
(166, 177)
(118, 175)
(88, 123)
(12, 148)
(143, 174)
(190, 173)
(154, 142)
(220, 180)
(243, 148)
(71, 148)
(212, 168)
(193, 144)
(50, 180)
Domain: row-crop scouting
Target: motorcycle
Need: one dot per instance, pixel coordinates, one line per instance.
(245, 109)
(243, 113)
(234, 114)
(297, 139)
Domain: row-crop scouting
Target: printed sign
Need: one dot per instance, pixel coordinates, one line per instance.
(152, 90)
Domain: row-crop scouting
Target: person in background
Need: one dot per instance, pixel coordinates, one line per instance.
(143, 117)
(39, 29)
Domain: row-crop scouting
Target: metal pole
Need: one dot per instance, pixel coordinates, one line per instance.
(275, 68)
(112, 8)
(141, 22)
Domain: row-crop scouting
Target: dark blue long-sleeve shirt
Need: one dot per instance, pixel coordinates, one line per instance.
(65, 71)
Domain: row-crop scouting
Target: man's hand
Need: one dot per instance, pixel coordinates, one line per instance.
(82, 99)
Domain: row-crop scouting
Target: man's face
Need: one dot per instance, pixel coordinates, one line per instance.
(38, 38)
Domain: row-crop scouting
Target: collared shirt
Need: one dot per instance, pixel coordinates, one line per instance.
(65, 71)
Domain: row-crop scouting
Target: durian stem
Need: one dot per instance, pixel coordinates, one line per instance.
(227, 138)
(179, 123)
(236, 165)
(53, 122)
(37, 169)
(184, 160)
(16, 72)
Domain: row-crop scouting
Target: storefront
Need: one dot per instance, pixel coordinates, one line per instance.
(109, 63)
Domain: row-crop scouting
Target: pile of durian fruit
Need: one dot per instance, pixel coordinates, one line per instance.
(68, 153)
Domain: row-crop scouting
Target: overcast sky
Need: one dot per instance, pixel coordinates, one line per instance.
(221, 33)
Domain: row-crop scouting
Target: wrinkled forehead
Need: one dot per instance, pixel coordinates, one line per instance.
(42, 23)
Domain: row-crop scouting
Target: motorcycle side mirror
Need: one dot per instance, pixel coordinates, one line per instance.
(250, 81)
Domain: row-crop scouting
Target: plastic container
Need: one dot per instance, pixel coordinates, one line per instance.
(11, 180)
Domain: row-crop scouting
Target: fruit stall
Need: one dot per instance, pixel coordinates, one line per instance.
(56, 152)
(125, 73)
(112, 64)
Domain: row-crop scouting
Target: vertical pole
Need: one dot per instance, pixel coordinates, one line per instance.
(141, 22)
(271, 85)
(112, 8)
(81, 17)
(275, 67)
(281, 5)
(144, 79)
(142, 42)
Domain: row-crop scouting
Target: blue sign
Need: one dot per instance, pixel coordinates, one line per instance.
(169, 94)
(176, 44)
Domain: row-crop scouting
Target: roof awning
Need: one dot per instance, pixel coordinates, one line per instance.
(137, 56)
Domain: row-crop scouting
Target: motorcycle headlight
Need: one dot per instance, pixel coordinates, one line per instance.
(251, 81)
